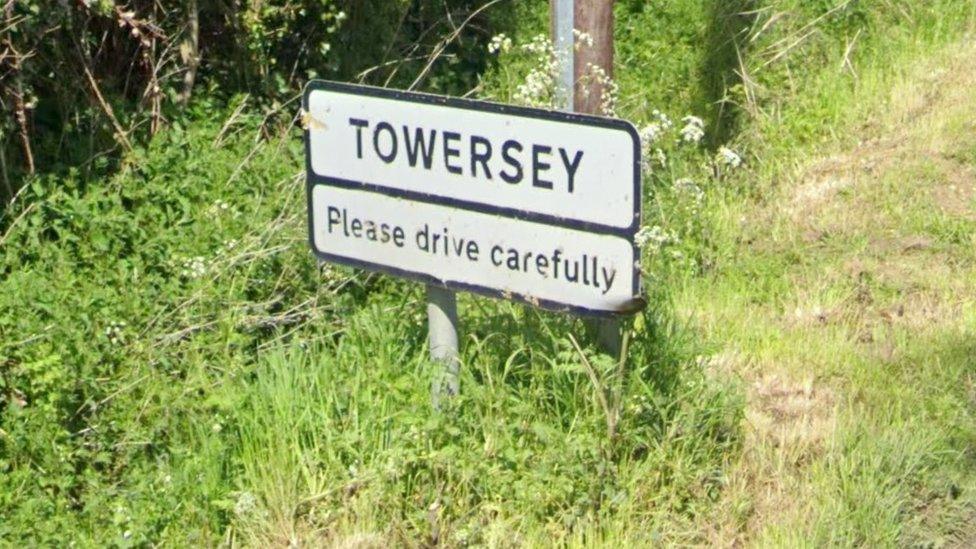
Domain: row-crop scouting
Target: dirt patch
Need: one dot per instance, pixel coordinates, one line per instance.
(810, 195)
(955, 196)
(791, 415)
(826, 178)
(788, 425)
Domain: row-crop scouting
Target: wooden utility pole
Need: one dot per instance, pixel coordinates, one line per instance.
(582, 35)
(594, 18)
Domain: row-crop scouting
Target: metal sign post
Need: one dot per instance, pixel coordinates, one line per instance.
(442, 324)
(595, 13)
(563, 42)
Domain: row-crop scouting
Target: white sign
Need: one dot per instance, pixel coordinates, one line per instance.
(519, 203)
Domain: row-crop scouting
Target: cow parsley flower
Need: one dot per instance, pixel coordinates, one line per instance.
(662, 119)
(654, 237)
(689, 187)
(661, 157)
(115, 332)
(728, 157)
(194, 267)
(539, 45)
(656, 129)
(694, 129)
(650, 133)
(539, 85)
(500, 43)
(610, 89)
(582, 39)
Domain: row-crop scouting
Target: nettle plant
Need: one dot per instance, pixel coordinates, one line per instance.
(679, 169)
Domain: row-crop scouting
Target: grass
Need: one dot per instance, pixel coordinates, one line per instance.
(856, 346)
(175, 368)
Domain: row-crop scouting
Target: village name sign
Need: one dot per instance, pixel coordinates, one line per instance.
(525, 204)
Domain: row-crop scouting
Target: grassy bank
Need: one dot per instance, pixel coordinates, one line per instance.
(848, 317)
(175, 368)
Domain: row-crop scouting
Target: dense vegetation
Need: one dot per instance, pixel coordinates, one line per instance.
(175, 368)
(86, 82)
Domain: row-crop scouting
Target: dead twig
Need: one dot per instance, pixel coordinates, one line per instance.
(10, 228)
(120, 134)
(598, 388)
(362, 75)
(219, 140)
(20, 114)
(804, 29)
(14, 59)
(846, 62)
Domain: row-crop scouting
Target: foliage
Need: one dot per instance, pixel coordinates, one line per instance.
(144, 385)
(83, 80)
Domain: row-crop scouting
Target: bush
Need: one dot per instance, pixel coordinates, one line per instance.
(86, 80)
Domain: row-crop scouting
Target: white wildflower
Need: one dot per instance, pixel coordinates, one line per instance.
(650, 133)
(694, 129)
(115, 332)
(728, 157)
(687, 186)
(500, 43)
(245, 504)
(582, 39)
(536, 89)
(610, 89)
(539, 87)
(662, 119)
(194, 267)
(661, 157)
(655, 130)
(654, 237)
(539, 45)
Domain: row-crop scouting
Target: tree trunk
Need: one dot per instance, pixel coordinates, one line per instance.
(191, 51)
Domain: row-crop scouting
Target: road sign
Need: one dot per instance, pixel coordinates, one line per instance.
(520, 203)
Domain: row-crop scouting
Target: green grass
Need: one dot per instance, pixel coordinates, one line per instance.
(176, 372)
(849, 313)
(803, 376)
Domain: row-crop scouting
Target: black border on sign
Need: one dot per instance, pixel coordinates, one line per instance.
(456, 285)
(627, 233)
(480, 106)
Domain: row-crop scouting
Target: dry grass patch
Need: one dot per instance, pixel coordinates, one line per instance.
(793, 416)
